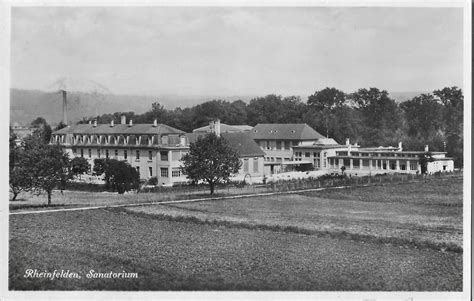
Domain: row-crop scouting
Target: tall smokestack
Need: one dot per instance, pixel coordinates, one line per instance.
(217, 126)
(64, 107)
(155, 123)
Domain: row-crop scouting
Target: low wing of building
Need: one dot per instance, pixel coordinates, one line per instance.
(251, 156)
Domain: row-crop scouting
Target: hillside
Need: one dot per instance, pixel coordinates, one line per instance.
(404, 96)
(26, 105)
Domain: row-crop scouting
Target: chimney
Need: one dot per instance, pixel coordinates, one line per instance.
(217, 125)
(348, 142)
(64, 107)
(90, 121)
(349, 150)
(123, 119)
(426, 148)
(155, 123)
(95, 122)
(400, 148)
(112, 123)
(130, 123)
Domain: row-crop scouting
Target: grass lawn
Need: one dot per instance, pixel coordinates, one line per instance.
(71, 199)
(416, 214)
(170, 255)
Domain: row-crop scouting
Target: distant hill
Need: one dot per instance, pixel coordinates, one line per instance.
(26, 105)
(404, 96)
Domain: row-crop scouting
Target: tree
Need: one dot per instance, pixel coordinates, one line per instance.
(61, 125)
(46, 167)
(210, 159)
(424, 159)
(381, 116)
(118, 175)
(327, 99)
(424, 115)
(453, 101)
(79, 166)
(43, 129)
(17, 180)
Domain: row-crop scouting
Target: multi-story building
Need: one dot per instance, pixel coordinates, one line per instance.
(154, 149)
(278, 140)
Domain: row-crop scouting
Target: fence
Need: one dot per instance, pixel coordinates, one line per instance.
(172, 193)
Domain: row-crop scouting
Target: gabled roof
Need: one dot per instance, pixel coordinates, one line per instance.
(285, 131)
(119, 129)
(241, 142)
(225, 128)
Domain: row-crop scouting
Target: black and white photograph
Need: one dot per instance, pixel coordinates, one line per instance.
(274, 150)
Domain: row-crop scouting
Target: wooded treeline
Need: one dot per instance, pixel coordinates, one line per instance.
(368, 116)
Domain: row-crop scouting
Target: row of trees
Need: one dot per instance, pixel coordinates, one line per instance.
(368, 116)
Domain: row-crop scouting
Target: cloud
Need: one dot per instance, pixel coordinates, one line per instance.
(247, 50)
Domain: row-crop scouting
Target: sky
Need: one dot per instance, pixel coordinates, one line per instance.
(238, 50)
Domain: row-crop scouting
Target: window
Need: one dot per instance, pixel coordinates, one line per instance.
(164, 172)
(287, 144)
(347, 163)
(255, 164)
(175, 172)
(306, 154)
(246, 165)
(116, 153)
(98, 153)
(125, 154)
(90, 153)
(107, 153)
(138, 170)
(82, 153)
(164, 156)
(150, 171)
(137, 155)
(315, 154)
(150, 155)
(278, 144)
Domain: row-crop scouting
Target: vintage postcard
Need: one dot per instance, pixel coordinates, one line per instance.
(277, 150)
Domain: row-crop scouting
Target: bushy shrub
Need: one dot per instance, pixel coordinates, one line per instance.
(153, 181)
